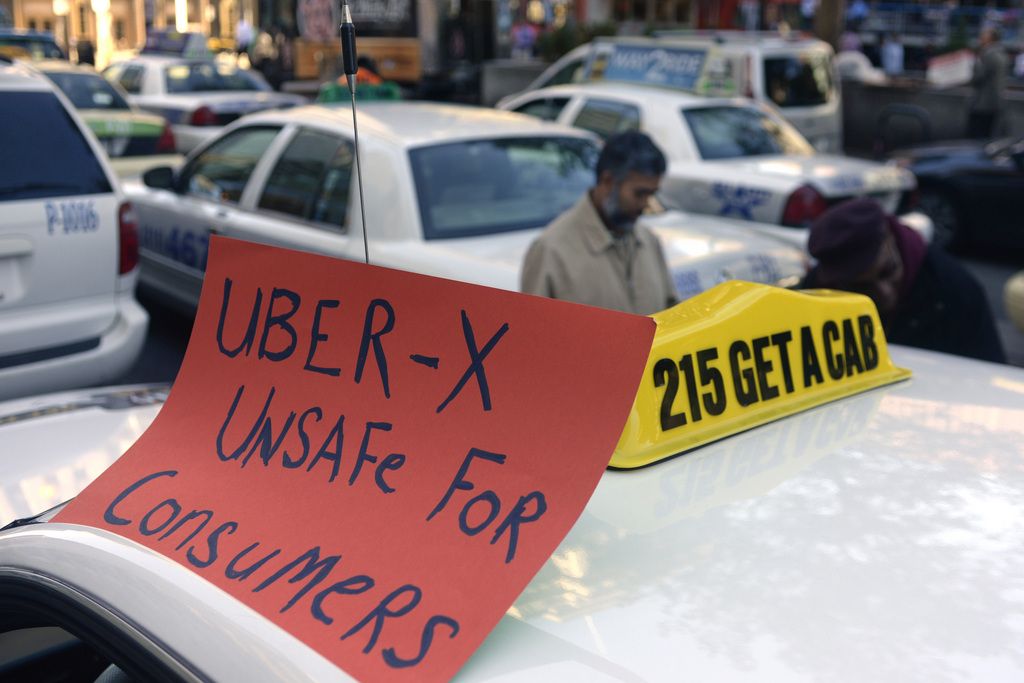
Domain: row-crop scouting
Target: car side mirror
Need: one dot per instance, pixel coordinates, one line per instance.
(160, 178)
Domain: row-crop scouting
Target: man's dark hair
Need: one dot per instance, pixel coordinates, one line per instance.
(630, 152)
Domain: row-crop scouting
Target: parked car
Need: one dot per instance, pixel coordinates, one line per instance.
(16, 43)
(122, 129)
(198, 96)
(68, 247)
(729, 157)
(456, 192)
(794, 73)
(874, 538)
(1013, 299)
(972, 190)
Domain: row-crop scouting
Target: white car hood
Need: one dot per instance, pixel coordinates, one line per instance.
(833, 176)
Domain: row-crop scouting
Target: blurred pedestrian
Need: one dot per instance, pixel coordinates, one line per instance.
(751, 13)
(856, 13)
(808, 8)
(370, 85)
(924, 297)
(243, 38)
(892, 55)
(524, 37)
(987, 80)
(595, 253)
(284, 43)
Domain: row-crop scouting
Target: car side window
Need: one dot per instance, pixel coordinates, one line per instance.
(221, 171)
(332, 199)
(310, 180)
(570, 73)
(130, 79)
(606, 118)
(546, 109)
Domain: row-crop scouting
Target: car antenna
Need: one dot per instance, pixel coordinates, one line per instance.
(348, 55)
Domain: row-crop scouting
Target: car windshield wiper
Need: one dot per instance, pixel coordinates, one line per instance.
(36, 187)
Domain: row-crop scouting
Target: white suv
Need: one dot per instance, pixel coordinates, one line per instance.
(68, 247)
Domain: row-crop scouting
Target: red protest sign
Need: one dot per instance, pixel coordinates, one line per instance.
(378, 461)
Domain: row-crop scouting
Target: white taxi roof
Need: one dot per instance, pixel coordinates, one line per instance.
(877, 537)
(412, 124)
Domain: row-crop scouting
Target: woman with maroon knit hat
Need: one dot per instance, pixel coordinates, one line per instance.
(924, 297)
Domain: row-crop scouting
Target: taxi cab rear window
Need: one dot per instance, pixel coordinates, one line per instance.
(482, 187)
(802, 81)
(732, 132)
(58, 164)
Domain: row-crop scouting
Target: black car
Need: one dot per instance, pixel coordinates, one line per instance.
(972, 190)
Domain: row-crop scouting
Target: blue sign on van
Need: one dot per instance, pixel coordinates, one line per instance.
(672, 67)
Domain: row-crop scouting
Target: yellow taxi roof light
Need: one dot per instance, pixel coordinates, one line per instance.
(742, 354)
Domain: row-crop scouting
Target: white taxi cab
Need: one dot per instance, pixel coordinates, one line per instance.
(197, 96)
(728, 157)
(452, 191)
(793, 72)
(876, 537)
(68, 247)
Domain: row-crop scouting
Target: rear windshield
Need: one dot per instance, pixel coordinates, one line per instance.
(31, 47)
(798, 81)
(482, 187)
(59, 163)
(731, 132)
(88, 91)
(206, 76)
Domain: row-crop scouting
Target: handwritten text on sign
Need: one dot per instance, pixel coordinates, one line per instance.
(376, 460)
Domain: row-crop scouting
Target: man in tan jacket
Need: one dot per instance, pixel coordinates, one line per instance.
(595, 253)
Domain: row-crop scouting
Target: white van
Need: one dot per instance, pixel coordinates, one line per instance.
(68, 247)
(794, 74)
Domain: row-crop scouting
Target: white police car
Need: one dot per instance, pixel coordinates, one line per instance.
(68, 247)
(452, 191)
(728, 157)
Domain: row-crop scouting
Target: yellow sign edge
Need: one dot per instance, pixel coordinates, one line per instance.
(727, 429)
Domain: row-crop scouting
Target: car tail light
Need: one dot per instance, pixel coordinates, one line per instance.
(803, 206)
(128, 239)
(166, 143)
(203, 116)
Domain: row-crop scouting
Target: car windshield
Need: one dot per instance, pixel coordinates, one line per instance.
(730, 132)
(88, 91)
(32, 47)
(206, 76)
(480, 187)
(799, 81)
